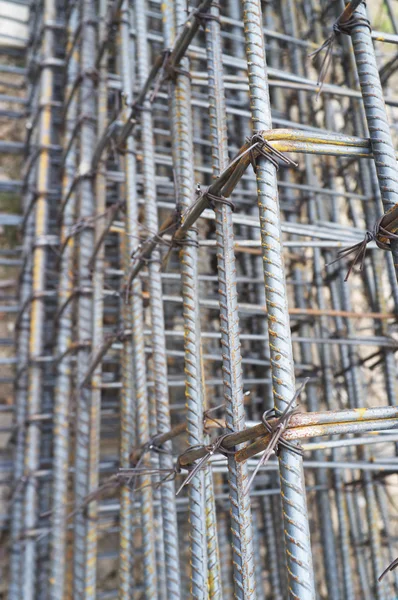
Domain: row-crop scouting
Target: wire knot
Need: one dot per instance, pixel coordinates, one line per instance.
(203, 17)
(347, 27)
(262, 147)
(339, 26)
(211, 449)
(213, 199)
(359, 249)
(277, 430)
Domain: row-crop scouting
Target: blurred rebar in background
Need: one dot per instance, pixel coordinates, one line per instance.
(206, 257)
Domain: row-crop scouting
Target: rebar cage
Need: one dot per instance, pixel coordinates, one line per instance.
(205, 376)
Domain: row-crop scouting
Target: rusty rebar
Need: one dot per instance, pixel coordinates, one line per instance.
(186, 192)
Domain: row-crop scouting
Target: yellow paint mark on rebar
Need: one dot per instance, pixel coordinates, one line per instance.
(361, 412)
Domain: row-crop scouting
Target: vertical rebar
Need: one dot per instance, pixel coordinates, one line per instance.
(37, 319)
(181, 126)
(128, 395)
(297, 536)
(243, 559)
(141, 392)
(22, 349)
(376, 115)
(97, 266)
(85, 243)
(323, 502)
(63, 389)
(157, 316)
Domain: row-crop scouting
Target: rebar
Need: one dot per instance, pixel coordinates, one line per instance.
(200, 400)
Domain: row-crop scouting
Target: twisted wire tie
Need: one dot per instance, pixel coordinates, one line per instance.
(202, 17)
(359, 249)
(207, 417)
(213, 199)
(129, 476)
(339, 27)
(167, 72)
(152, 445)
(256, 143)
(277, 431)
(264, 148)
(211, 449)
(138, 254)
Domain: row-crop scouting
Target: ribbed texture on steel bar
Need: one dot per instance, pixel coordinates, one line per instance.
(213, 554)
(297, 538)
(340, 298)
(192, 347)
(64, 383)
(324, 508)
(213, 49)
(118, 349)
(128, 397)
(98, 265)
(142, 421)
(167, 490)
(36, 341)
(326, 357)
(145, 493)
(376, 115)
(21, 387)
(87, 140)
(232, 362)
(357, 399)
(143, 435)
(344, 535)
(180, 110)
(272, 557)
(21, 379)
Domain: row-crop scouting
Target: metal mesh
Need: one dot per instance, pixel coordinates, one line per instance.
(205, 374)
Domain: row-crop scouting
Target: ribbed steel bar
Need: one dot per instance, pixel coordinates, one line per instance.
(304, 425)
(112, 388)
(370, 183)
(373, 533)
(167, 490)
(213, 554)
(128, 397)
(37, 318)
(347, 584)
(21, 388)
(297, 537)
(374, 103)
(97, 265)
(232, 368)
(351, 372)
(87, 138)
(273, 520)
(323, 502)
(356, 399)
(142, 429)
(22, 331)
(181, 126)
(64, 385)
(379, 298)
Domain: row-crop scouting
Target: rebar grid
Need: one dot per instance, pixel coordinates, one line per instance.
(165, 321)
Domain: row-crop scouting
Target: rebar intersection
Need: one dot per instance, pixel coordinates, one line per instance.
(146, 302)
